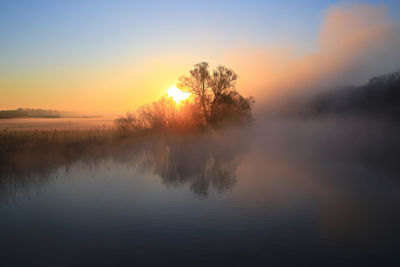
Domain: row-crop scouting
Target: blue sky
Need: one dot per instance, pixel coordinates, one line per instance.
(65, 31)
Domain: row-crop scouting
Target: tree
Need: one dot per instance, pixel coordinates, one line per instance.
(197, 83)
(215, 95)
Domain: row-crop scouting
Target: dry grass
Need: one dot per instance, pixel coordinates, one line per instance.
(24, 140)
(25, 152)
(59, 124)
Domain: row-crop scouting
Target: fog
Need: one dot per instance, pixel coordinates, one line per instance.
(325, 185)
(212, 160)
(354, 43)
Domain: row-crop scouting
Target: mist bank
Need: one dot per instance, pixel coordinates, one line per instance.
(208, 159)
(354, 42)
(379, 98)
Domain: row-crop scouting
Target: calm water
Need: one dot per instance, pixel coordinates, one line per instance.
(322, 193)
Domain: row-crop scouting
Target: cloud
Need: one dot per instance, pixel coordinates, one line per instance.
(355, 42)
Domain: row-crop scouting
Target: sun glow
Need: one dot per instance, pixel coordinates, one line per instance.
(177, 95)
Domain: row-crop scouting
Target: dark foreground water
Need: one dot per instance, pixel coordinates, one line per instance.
(288, 193)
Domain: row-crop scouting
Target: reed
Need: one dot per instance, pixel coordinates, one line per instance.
(13, 141)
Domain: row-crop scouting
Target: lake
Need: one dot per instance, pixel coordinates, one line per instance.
(280, 193)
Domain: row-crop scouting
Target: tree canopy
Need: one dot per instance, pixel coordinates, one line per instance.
(215, 95)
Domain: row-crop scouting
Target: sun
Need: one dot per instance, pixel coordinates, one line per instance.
(176, 94)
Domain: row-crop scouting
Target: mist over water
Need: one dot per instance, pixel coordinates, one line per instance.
(279, 192)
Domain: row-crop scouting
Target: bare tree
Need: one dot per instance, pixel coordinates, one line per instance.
(158, 115)
(215, 94)
(197, 83)
(221, 82)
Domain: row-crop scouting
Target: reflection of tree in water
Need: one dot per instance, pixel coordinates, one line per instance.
(200, 163)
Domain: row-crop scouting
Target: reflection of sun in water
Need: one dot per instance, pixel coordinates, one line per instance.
(176, 94)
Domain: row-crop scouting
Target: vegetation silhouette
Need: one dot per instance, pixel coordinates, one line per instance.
(29, 113)
(379, 98)
(215, 95)
(215, 102)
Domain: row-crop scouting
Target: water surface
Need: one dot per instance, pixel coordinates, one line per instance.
(322, 193)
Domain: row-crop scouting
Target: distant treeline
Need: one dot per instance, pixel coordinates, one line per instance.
(380, 97)
(29, 113)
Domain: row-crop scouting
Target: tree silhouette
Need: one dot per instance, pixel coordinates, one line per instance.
(197, 83)
(379, 98)
(216, 95)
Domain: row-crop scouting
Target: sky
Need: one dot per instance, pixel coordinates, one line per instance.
(113, 56)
